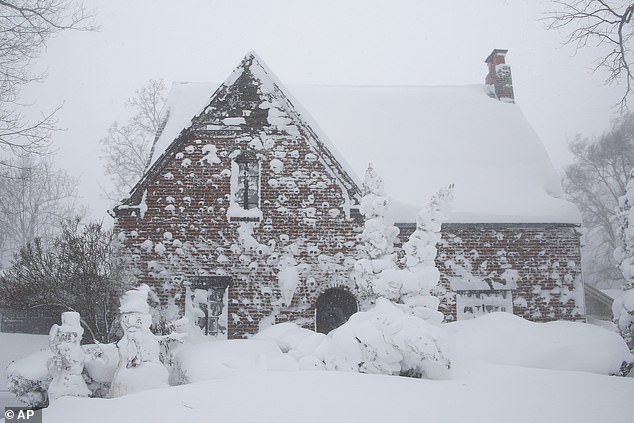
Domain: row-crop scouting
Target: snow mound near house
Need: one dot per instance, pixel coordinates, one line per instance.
(14, 346)
(222, 359)
(382, 340)
(502, 338)
(495, 394)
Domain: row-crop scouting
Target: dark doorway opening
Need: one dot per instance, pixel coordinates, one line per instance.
(334, 307)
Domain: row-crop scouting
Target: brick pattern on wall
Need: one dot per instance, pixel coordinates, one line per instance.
(546, 258)
(185, 229)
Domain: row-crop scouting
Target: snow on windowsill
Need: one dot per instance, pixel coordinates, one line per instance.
(235, 213)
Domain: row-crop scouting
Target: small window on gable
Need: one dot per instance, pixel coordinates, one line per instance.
(247, 189)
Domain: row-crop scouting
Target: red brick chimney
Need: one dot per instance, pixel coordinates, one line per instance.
(499, 77)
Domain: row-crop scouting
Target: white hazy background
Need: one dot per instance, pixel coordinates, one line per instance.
(354, 42)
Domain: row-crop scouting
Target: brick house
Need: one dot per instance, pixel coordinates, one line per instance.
(248, 213)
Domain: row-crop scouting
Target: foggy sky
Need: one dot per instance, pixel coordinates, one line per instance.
(355, 42)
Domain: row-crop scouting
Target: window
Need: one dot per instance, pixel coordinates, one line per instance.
(470, 304)
(247, 189)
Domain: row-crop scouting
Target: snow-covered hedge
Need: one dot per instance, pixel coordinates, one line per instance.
(29, 378)
(503, 338)
(387, 340)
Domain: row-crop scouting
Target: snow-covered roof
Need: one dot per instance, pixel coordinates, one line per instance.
(421, 139)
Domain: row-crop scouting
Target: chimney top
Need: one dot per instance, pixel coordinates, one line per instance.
(496, 52)
(499, 77)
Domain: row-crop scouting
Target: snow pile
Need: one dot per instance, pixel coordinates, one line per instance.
(219, 360)
(494, 394)
(15, 346)
(28, 378)
(502, 338)
(386, 340)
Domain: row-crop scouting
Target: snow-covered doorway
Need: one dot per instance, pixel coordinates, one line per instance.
(207, 304)
(333, 308)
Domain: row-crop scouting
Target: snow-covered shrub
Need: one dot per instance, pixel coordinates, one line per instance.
(376, 242)
(387, 340)
(28, 379)
(623, 307)
(383, 340)
(421, 275)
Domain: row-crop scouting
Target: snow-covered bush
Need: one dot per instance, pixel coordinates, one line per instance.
(383, 340)
(29, 378)
(623, 307)
(376, 242)
(387, 340)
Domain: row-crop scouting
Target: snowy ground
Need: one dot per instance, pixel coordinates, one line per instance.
(488, 394)
(14, 346)
(506, 369)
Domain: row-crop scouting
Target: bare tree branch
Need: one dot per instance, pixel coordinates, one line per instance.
(35, 199)
(25, 28)
(594, 182)
(128, 149)
(593, 23)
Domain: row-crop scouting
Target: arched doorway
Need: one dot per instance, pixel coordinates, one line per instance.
(333, 308)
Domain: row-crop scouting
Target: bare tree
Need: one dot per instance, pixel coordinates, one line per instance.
(25, 27)
(80, 270)
(600, 23)
(128, 149)
(35, 199)
(594, 182)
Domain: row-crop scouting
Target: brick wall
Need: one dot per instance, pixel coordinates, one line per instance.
(545, 256)
(186, 213)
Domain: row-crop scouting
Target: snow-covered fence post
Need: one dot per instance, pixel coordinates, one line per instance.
(376, 242)
(623, 306)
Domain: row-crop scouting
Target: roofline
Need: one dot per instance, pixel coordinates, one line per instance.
(496, 225)
(350, 185)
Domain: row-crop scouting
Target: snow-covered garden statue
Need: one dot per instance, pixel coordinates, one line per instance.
(140, 367)
(623, 306)
(67, 363)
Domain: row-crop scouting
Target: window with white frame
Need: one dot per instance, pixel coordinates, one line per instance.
(471, 304)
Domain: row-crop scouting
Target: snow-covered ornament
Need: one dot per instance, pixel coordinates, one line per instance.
(140, 367)
(67, 363)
